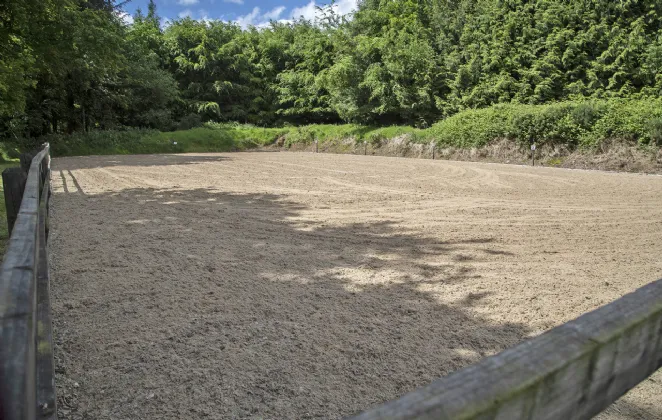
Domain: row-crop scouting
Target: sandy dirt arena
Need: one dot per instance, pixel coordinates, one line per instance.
(296, 285)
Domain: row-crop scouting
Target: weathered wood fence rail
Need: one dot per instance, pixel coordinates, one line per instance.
(27, 389)
(574, 371)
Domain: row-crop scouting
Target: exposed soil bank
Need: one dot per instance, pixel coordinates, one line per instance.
(609, 156)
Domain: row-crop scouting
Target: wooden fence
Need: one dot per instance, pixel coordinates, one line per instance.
(573, 371)
(27, 388)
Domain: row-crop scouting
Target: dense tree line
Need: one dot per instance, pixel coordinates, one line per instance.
(74, 65)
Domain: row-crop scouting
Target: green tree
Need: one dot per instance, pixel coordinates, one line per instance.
(150, 93)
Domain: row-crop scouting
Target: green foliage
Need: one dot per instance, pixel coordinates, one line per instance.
(583, 124)
(22, 47)
(536, 52)
(479, 66)
(149, 91)
(218, 138)
(386, 68)
(190, 121)
(656, 131)
(580, 123)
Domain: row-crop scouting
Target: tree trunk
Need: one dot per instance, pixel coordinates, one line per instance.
(84, 122)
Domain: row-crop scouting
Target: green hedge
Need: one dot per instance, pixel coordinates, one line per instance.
(575, 124)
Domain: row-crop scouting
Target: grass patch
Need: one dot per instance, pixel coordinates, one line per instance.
(211, 138)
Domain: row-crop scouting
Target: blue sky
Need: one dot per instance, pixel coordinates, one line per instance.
(244, 12)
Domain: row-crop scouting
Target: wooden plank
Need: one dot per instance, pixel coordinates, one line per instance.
(17, 313)
(46, 400)
(17, 369)
(20, 258)
(573, 371)
(18, 306)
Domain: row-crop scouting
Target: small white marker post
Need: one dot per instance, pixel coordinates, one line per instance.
(316, 146)
(365, 147)
(533, 154)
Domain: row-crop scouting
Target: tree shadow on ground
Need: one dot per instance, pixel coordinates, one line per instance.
(240, 305)
(90, 162)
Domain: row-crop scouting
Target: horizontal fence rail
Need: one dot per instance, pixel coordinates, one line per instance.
(573, 371)
(27, 388)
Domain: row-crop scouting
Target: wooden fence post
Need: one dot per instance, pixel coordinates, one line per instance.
(26, 161)
(13, 181)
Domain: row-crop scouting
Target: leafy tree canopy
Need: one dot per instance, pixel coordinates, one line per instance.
(74, 65)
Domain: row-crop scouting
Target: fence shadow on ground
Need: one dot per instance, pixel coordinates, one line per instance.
(237, 305)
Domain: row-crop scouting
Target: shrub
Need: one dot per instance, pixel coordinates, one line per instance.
(583, 123)
(190, 121)
(656, 131)
(159, 119)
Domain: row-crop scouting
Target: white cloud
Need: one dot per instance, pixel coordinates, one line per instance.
(274, 13)
(309, 12)
(126, 18)
(251, 19)
(234, 1)
(258, 19)
(185, 13)
(187, 2)
(204, 16)
(344, 7)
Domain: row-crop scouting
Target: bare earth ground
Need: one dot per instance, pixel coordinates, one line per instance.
(294, 285)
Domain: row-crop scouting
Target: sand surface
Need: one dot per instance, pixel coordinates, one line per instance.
(295, 285)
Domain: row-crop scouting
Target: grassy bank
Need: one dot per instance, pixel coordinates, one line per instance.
(211, 138)
(578, 124)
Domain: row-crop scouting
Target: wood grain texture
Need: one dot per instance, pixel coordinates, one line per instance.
(18, 304)
(46, 401)
(573, 371)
